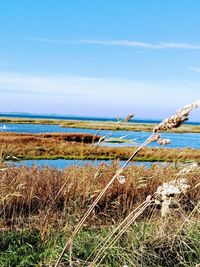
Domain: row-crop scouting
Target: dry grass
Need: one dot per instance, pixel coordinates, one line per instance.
(27, 191)
(40, 219)
(49, 137)
(52, 146)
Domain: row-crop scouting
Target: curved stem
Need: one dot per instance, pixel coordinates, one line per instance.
(79, 225)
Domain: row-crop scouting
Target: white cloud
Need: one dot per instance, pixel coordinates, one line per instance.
(195, 69)
(92, 96)
(123, 43)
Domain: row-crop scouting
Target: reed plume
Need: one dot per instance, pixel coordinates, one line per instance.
(164, 141)
(129, 117)
(178, 119)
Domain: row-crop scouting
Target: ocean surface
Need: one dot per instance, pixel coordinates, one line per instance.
(182, 140)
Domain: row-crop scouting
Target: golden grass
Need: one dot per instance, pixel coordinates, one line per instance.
(32, 191)
(52, 146)
(30, 203)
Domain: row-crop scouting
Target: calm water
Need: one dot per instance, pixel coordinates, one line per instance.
(62, 163)
(178, 140)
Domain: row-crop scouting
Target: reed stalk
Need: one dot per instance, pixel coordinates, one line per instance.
(109, 242)
(88, 212)
(174, 121)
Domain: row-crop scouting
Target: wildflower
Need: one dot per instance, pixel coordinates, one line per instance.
(173, 187)
(165, 194)
(121, 179)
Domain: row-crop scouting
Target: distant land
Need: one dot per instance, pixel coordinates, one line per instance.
(80, 118)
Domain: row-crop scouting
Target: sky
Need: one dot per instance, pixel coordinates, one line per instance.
(99, 58)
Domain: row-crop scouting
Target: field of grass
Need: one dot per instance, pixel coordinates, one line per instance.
(40, 207)
(97, 125)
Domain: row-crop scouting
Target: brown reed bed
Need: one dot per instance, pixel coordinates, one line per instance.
(37, 216)
(31, 191)
(51, 137)
(53, 146)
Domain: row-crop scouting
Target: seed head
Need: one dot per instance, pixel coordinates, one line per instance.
(178, 119)
(163, 141)
(155, 138)
(129, 117)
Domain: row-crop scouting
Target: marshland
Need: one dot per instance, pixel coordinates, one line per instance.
(59, 216)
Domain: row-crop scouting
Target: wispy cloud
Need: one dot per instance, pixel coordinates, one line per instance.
(195, 69)
(123, 43)
(64, 85)
(54, 85)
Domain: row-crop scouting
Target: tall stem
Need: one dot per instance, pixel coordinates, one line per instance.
(79, 225)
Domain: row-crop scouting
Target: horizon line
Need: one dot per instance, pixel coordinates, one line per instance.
(82, 116)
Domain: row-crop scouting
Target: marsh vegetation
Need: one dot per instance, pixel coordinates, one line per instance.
(78, 146)
(99, 216)
(36, 219)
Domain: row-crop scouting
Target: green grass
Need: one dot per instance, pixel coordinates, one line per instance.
(99, 157)
(138, 247)
(19, 249)
(106, 157)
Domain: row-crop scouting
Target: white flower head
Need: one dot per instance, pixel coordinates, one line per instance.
(121, 179)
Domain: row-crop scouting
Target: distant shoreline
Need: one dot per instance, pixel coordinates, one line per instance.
(78, 118)
(100, 125)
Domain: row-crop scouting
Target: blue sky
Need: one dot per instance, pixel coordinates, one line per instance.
(99, 57)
